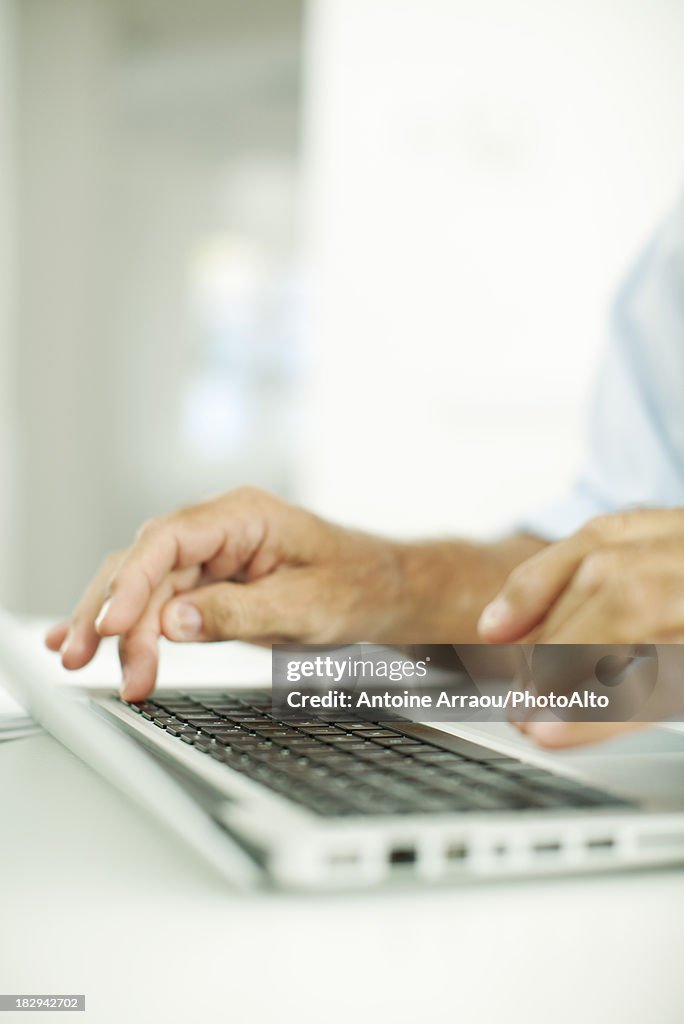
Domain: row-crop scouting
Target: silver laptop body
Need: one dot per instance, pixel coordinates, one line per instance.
(255, 834)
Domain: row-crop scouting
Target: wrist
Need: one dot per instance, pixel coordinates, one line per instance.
(444, 586)
(404, 593)
(428, 587)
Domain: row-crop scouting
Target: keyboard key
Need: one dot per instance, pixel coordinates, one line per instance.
(392, 741)
(434, 756)
(277, 730)
(223, 729)
(180, 729)
(323, 730)
(228, 706)
(204, 745)
(205, 717)
(381, 754)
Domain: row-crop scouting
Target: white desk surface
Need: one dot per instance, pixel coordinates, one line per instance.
(96, 899)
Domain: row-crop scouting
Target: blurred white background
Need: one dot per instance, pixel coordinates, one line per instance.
(358, 251)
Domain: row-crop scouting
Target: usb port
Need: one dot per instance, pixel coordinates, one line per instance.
(601, 843)
(403, 855)
(547, 846)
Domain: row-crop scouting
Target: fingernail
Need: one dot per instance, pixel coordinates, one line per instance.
(102, 615)
(183, 621)
(495, 615)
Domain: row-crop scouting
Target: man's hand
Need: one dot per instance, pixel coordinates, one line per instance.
(618, 580)
(244, 566)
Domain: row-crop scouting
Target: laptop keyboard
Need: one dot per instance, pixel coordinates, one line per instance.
(354, 766)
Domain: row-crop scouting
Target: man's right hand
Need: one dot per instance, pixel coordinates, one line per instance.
(243, 566)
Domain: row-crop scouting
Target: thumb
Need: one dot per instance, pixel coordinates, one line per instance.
(225, 611)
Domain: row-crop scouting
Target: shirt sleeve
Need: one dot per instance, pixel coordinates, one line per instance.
(635, 440)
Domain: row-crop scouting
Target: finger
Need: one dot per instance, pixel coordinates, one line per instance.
(600, 619)
(235, 611)
(639, 607)
(139, 657)
(569, 604)
(530, 590)
(82, 639)
(534, 586)
(557, 735)
(139, 647)
(56, 635)
(225, 537)
(628, 569)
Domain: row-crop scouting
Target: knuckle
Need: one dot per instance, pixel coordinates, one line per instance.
(249, 493)
(633, 600)
(598, 527)
(645, 594)
(594, 569)
(254, 498)
(149, 527)
(639, 592)
(112, 560)
(519, 584)
(609, 525)
(618, 615)
(219, 617)
(185, 512)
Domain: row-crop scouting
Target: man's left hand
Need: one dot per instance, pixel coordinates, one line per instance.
(618, 580)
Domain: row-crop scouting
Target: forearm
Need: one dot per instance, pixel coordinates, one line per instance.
(446, 584)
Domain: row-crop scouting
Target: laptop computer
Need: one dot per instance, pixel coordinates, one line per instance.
(314, 804)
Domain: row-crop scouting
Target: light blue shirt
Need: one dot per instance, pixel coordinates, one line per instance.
(635, 445)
